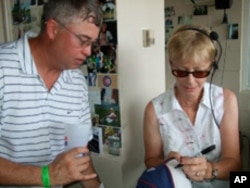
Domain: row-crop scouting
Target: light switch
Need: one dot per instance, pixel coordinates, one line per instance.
(147, 39)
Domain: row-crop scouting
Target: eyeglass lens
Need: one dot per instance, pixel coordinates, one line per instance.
(83, 42)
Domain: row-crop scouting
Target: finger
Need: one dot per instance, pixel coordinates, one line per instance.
(194, 170)
(86, 177)
(190, 168)
(198, 163)
(83, 162)
(79, 151)
(192, 176)
(197, 176)
(84, 166)
(79, 170)
(174, 155)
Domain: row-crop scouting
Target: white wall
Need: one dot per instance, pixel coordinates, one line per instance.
(141, 75)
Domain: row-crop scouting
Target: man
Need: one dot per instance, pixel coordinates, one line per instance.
(41, 90)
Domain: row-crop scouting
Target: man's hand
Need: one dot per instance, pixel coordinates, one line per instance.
(71, 166)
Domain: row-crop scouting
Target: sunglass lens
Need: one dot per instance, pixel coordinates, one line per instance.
(201, 74)
(179, 73)
(196, 74)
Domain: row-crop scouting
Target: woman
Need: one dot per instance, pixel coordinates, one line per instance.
(194, 114)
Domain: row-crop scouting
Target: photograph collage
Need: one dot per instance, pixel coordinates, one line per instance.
(198, 10)
(100, 70)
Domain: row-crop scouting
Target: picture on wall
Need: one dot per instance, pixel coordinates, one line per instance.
(96, 144)
(168, 22)
(185, 20)
(169, 11)
(199, 2)
(111, 139)
(108, 114)
(41, 2)
(233, 31)
(200, 10)
(33, 2)
(94, 98)
(107, 81)
(108, 33)
(102, 60)
(21, 12)
(109, 9)
(168, 32)
(109, 96)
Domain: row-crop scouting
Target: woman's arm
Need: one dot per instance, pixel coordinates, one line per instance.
(229, 130)
(152, 138)
(198, 168)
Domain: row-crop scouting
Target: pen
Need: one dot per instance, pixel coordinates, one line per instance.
(203, 152)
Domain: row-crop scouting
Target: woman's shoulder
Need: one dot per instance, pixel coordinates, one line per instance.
(163, 102)
(214, 91)
(230, 97)
(228, 93)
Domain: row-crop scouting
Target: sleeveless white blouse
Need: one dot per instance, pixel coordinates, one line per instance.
(180, 135)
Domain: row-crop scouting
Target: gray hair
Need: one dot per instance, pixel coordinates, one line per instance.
(66, 11)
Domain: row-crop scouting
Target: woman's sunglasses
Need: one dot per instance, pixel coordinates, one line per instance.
(196, 74)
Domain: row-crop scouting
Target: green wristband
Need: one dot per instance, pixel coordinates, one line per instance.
(45, 177)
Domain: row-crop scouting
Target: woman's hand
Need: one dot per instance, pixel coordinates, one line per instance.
(175, 155)
(195, 168)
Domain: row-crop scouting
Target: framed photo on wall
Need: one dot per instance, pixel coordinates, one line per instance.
(41, 2)
(233, 31)
(199, 2)
(33, 2)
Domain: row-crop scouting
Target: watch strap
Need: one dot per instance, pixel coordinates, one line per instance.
(214, 173)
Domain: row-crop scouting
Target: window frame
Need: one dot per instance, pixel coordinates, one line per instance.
(245, 46)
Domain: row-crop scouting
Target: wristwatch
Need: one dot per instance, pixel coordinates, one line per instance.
(214, 173)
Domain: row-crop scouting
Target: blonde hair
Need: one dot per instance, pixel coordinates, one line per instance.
(191, 43)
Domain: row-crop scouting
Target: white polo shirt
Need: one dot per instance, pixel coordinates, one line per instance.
(31, 117)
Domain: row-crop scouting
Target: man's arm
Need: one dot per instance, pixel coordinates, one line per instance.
(17, 174)
(65, 169)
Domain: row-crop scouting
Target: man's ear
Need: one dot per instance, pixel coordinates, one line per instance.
(52, 28)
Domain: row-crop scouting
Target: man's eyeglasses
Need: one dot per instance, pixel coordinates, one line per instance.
(83, 42)
(196, 74)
